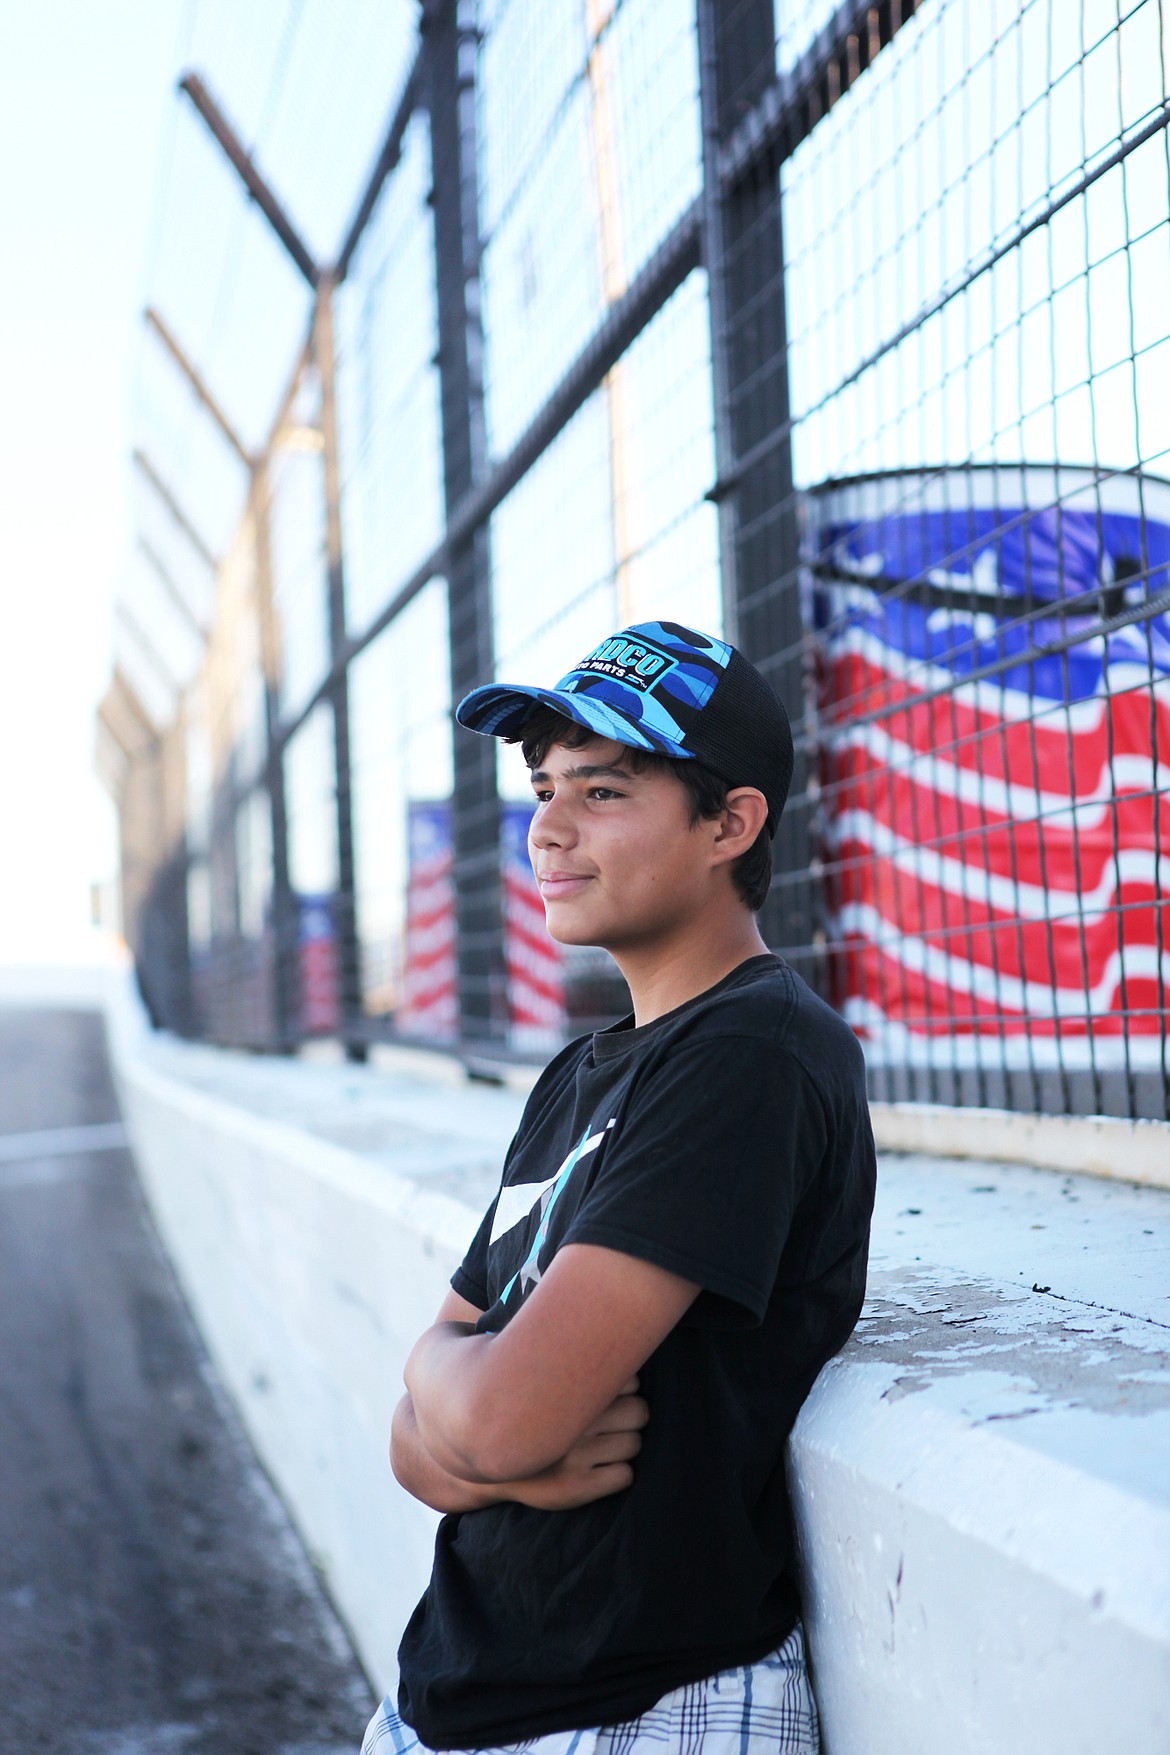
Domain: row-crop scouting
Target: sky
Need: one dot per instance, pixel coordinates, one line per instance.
(83, 95)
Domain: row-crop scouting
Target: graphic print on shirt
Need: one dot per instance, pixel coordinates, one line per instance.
(521, 1200)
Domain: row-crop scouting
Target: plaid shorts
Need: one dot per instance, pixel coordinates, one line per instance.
(763, 1707)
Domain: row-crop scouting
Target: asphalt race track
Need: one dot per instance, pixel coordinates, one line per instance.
(153, 1597)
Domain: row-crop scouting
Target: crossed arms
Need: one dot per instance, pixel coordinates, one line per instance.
(546, 1412)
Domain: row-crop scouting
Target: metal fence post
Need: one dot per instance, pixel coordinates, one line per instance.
(285, 983)
(714, 255)
(345, 925)
(451, 44)
(759, 529)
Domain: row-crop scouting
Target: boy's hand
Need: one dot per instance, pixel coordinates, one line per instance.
(598, 1464)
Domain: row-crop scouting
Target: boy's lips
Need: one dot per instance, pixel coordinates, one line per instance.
(556, 885)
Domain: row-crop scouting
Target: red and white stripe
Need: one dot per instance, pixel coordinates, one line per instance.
(535, 980)
(429, 1004)
(536, 985)
(997, 864)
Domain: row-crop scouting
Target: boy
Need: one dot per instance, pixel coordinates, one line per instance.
(678, 1246)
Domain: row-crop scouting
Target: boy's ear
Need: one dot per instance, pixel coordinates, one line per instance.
(745, 811)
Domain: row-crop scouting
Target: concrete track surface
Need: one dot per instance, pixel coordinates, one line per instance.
(154, 1599)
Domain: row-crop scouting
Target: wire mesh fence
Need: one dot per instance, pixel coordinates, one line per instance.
(842, 331)
(988, 567)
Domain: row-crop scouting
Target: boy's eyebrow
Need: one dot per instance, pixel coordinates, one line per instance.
(585, 771)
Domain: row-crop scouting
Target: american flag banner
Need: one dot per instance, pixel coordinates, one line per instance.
(533, 961)
(537, 1017)
(320, 997)
(429, 1004)
(993, 732)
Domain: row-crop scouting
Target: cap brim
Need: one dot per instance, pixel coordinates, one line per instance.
(503, 710)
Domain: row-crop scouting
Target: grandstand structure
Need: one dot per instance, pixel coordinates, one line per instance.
(478, 328)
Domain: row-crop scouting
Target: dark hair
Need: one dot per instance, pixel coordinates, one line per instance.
(751, 873)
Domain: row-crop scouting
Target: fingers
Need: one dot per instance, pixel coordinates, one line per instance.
(626, 1413)
(630, 1388)
(612, 1478)
(609, 1447)
(598, 1465)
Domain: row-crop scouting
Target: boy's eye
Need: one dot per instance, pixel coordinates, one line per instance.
(542, 794)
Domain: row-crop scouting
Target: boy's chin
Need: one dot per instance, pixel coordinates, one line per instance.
(568, 925)
(566, 932)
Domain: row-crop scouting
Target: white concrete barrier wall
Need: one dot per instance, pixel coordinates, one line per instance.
(308, 1270)
(985, 1527)
(967, 1594)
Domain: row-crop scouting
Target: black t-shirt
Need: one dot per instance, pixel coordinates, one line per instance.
(729, 1142)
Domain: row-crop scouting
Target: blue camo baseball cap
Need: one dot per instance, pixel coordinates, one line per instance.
(666, 689)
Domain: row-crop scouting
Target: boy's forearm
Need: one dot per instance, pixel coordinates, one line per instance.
(599, 1466)
(416, 1469)
(508, 1406)
(442, 1376)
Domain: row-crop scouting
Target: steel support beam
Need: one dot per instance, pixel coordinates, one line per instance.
(194, 377)
(173, 594)
(451, 46)
(385, 163)
(241, 162)
(150, 474)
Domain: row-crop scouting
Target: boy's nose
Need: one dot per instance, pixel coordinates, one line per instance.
(552, 825)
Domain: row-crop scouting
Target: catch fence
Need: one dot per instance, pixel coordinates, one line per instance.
(840, 330)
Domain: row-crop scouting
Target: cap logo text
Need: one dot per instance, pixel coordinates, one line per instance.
(634, 662)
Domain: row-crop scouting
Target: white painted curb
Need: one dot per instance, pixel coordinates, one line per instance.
(1088, 1145)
